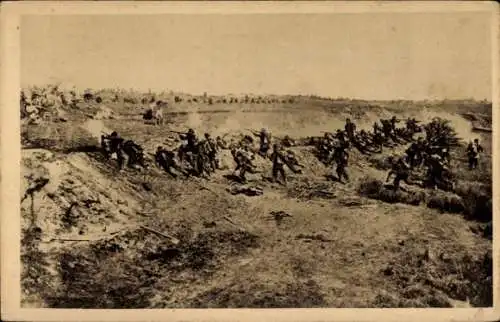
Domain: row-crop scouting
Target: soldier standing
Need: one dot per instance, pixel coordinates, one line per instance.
(278, 164)
(387, 126)
(435, 170)
(211, 148)
(340, 135)
(201, 159)
(350, 129)
(341, 158)
(264, 141)
(191, 139)
(473, 150)
(411, 153)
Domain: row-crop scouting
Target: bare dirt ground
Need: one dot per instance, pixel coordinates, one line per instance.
(96, 238)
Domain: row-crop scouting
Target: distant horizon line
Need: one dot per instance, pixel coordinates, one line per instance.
(167, 91)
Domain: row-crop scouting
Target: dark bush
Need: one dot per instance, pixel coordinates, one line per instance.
(375, 189)
(446, 203)
(477, 200)
(439, 132)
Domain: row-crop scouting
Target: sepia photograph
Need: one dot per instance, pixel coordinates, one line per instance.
(249, 160)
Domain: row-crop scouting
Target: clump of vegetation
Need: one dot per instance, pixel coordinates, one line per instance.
(446, 203)
(464, 278)
(477, 200)
(440, 132)
(375, 189)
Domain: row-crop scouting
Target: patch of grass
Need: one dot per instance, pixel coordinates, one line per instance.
(287, 295)
(428, 282)
(121, 272)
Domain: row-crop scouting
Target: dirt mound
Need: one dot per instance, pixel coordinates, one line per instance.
(77, 198)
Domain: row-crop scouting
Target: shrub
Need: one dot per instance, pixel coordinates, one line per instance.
(477, 200)
(439, 132)
(446, 203)
(375, 189)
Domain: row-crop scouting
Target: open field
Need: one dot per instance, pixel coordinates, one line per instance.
(96, 238)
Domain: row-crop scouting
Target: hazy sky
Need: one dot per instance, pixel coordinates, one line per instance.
(372, 56)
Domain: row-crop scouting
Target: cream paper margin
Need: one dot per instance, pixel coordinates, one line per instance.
(10, 159)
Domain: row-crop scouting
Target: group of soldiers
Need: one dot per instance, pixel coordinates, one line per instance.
(126, 152)
(199, 157)
(333, 148)
(432, 153)
(195, 157)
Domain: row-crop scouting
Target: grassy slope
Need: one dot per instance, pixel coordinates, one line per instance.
(370, 253)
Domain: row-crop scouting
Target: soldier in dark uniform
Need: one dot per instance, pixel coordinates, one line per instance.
(389, 131)
(244, 164)
(264, 141)
(393, 121)
(350, 129)
(166, 160)
(435, 170)
(191, 139)
(341, 158)
(473, 151)
(113, 144)
(413, 154)
(292, 162)
(221, 143)
(378, 141)
(211, 148)
(401, 170)
(278, 160)
(411, 125)
(344, 141)
(202, 162)
(376, 128)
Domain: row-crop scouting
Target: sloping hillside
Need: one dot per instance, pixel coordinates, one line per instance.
(97, 238)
